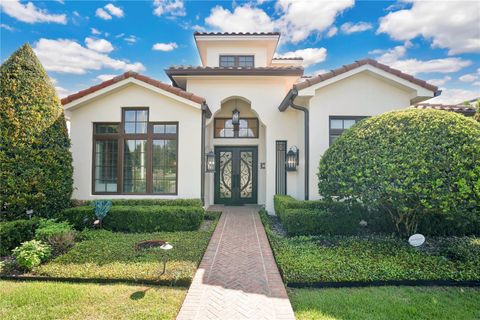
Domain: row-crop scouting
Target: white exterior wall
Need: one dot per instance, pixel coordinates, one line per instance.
(265, 95)
(359, 95)
(107, 108)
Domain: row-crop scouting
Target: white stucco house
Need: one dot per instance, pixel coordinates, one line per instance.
(136, 137)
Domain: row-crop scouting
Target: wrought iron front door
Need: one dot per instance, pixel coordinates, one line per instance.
(236, 175)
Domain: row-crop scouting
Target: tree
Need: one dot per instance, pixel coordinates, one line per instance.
(419, 167)
(476, 116)
(35, 160)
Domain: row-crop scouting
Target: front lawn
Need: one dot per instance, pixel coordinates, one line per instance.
(399, 303)
(56, 300)
(310, 259)
(111, 255)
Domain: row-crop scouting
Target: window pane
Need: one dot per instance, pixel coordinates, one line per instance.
(130, 115)
(336, 124)
(164, 165)
(130, 127)
(227, 61)
(245, 61)
(347, 123)
(135, 121)
(158, 128)
(106, 153)
(142, 115)
(135, 166)
(106, 128)
(141, 127)
(171, 128)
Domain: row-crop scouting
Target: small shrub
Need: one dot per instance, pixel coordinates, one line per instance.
(138, 218)
(59, 235)
(13, 233)
(31, 254)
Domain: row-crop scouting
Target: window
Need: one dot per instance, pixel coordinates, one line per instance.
(338, 124)
(145, 153)
(237, 61)
(247, 128)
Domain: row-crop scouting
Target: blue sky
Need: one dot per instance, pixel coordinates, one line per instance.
(81, 43)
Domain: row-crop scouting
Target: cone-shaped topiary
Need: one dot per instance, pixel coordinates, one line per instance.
(35, 160)
(420, 168)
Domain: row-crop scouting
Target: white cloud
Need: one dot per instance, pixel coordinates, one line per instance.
(332, 31)
(392, 58)
(455, 96)
(296, 19)
(448, 24)
(102, 14)
(7, 27)
(95, 31)
(310, 56)
(99, 45)
(164, 46)
(114, 11)
(105, 77)
(61, 91)
(468, 78)
(301, 18)
(68, 56)
(440, 82)
(198, 28)
(169, 8)
(131, 39)
(236, 21)
(29, 13)
(349, 27)
(476, 83)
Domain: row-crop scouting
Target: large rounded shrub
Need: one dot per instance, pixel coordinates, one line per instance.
(35, 160)
(419, 168)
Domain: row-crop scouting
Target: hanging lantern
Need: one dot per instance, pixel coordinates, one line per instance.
(235, 117)
(211, 162)
(291, 159)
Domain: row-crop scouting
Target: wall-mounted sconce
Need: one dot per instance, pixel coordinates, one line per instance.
(210, 162)
(291, 159)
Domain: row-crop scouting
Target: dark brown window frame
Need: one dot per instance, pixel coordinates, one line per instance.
(121, 137)
(236, 59)
(236, 128)
(338, 132)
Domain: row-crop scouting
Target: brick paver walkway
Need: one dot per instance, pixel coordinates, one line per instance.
(237, 278)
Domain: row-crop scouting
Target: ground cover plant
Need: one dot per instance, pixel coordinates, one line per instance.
(104, 254)
(312, 259)
(420, 168)
(399, 303)
(58, 300)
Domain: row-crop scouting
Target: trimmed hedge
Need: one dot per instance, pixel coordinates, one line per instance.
(13, 233)
(138, 218)
(325, 217)
(154, 202)
(420, 168)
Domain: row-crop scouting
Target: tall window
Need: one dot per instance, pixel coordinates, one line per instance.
(135, 156)
(247, 128)
(338, 124)
(237, 61)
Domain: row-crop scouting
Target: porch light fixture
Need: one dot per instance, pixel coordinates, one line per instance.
(235, 117)
(210, 162)
(291, 159)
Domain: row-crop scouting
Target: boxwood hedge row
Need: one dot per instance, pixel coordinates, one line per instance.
(13, 233)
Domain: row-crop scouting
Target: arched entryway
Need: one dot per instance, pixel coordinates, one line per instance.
(239, 148)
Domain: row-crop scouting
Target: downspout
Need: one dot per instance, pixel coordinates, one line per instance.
(205, 114)
(288, 102)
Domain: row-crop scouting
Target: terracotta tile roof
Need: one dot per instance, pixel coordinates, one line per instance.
(276, 70)
(236, 33)
(130, 74)
(322, 77)
(458, 108)
(286, 58)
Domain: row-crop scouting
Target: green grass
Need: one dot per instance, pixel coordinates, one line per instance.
(396, 303)
(109, 255)
(55, 300)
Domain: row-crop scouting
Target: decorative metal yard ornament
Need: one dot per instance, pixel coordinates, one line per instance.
(416, 240)
(163, 245)
(210, 162)
(291, 159)
(102, 207)
(29, 213)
